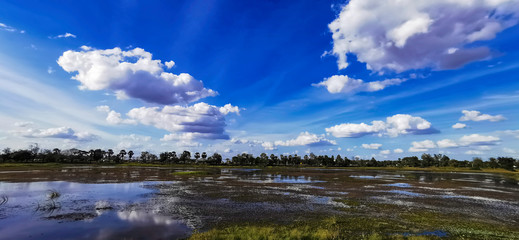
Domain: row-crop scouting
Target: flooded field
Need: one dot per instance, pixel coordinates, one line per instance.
(173, 203)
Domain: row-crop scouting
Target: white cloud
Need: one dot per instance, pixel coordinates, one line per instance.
(372, 146)
(50, 70)
(59, 132)
(447, 143)
(476, 139)
(136, 138)
(133, 72)
(399, 124)
(133, 141)
(398, 150)
(477, 116)
(473, 152)
(484, 148)
(422, 146)
(385, 152)
(8, 28)
(65, 35)
(228, 108)
(345, 84)
(514, 133)
(306, 139)
(169, 64)
(198, 121)
(459, 125)
(473, 140)
(268, 146)
(114, 117)
(399, 35)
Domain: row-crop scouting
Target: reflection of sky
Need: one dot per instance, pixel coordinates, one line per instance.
(30, 191)
(268, 178)
(111, 225)
(23, 222)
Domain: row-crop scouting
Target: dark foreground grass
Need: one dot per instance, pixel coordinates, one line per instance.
(418, 225)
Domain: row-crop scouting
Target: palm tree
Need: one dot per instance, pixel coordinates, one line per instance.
(130, 154)
(110, 152)
(197, 156)
(122, 153)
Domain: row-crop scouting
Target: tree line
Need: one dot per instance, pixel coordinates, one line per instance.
(36, 155)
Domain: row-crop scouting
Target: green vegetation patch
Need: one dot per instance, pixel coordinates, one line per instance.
(183, 173)
(407, 225)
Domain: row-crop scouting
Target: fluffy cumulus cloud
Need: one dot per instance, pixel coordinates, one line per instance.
(371, 146)
(399, 124)
(447, 143)
(59, 132)
(133, 73)
(200, 120)
(228, 108)
(399, 35)
(422, 146)
(345, 84)
(306, 139)
(459, 125)
(268, 146)
(478, 116)
(114, 117)
(398, 150)
(385, 152)
(474, 140)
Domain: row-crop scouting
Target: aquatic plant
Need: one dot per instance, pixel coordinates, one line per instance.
(51, 203)
(3, 200)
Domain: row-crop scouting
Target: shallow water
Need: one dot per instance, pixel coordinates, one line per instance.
(83, 211)
(151, 203)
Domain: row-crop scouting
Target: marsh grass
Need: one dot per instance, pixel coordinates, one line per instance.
(51, 202)
(415, 225)
(183, 173)
(3, 200)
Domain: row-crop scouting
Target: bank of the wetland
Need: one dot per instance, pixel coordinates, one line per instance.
(407, 225)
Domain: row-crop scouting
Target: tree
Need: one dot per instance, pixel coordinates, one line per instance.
(493, 163)
(98, 155)
(197, 156)
(185, 156)
(122, 153)
(204, 155)
(427, 160)
(477, 163)
(174, 157)
(411, 161)
(216, 159)
(56, 151)
(110, 152)
(130, 155)
(164, 157)
(506, 163)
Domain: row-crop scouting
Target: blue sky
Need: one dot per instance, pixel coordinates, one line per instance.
(284, 77)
